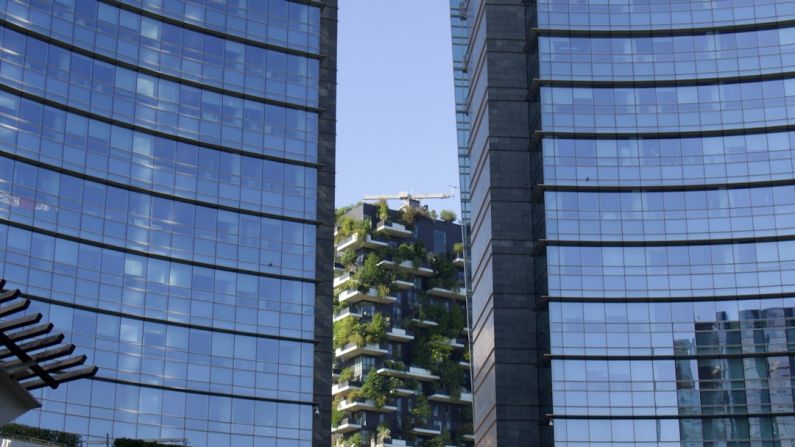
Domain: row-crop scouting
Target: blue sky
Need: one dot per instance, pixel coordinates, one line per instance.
(395, 103)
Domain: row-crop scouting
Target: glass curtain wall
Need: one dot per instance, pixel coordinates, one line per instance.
(158, 203)
(667, 186)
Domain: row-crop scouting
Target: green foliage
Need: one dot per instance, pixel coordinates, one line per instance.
(448, 216)
(421, 410)
(414, 252)
(445, 273)
(351, 330)
(336, 415)
(395, 364)
(439, 441)
(377, 388)
(347, 258)
(126, 442)
(346, 375)
(383, 433)
(346, 331)
(439, 349)
(376, 328)
(451, 377)
(408, 215)
(347, 226)
(34, 433)
(370, 274)
(458, 248)
(354, 441)
(383, 211)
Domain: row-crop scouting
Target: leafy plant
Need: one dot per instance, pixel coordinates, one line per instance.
(383, 433)
(351, 330)
(376, 388)
(383, 211)
(439, 441)
(414, 252)
(370, 274)
(346, 375)
(458, 248)
(408, 215)
(421, 410)
(445, 273)
(451, 377)
(347, 258)
(448, 216)
(336, 415)
(376, 328)
(347, 226)
(355, 440)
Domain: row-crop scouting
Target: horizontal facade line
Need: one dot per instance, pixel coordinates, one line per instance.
(148, 71)
(219, 34)
(161, 195)
(146, 130)
(660, 135)
(544, 300)
(543, 243)
(316, 3)
(131, 251)
(164, 322)
(202, 392)
(738, 355)
(670, 416)
(719, 29)
(664, 188)
(663, 82)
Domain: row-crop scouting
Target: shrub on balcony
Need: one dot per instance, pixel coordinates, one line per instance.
(351, 330)
(410, 251)
(347, 258)
(442, 440)
(377, 388)
(347, 226)
(346, 375)
(370, 274)
(421, 410)
(458, 248)
(448, 216)
(383, 211)
(383, 433)
(445, 273)
(336, 415)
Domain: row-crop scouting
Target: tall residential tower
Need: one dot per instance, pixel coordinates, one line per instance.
(632, 229)
(166, 199)
(401, 360)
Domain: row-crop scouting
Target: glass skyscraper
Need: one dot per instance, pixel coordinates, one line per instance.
(166, 200)
(632, 226)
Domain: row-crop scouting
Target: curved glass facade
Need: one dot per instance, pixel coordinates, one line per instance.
(669, 251)
(160, 168)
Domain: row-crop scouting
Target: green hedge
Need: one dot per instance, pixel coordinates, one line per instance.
(53, 436)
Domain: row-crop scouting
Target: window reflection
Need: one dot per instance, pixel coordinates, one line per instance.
(153, 103)
(173, 50)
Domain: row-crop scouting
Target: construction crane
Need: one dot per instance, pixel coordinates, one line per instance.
(411, 199)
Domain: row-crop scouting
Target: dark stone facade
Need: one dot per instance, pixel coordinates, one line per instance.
(508, 380)
(327, 134)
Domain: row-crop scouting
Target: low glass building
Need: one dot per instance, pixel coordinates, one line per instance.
(166, 173)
